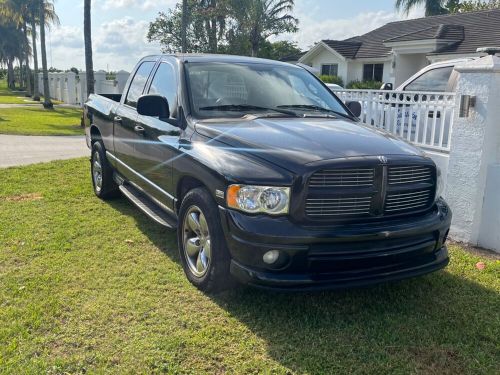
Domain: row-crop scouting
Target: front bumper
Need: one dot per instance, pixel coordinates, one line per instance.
(337, 256)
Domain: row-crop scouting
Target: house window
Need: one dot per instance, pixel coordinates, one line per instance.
(330, 69)
(373, 72)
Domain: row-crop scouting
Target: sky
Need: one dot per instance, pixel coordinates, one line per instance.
(119, 27)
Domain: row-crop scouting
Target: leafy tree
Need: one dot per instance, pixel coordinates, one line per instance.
(11, 47)
(261, 19)
(278, 50)
(456, 6)
(206, 23)
(432, 7)
(225, 26)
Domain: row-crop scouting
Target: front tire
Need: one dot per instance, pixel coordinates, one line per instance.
(102, 173)
(202, 246)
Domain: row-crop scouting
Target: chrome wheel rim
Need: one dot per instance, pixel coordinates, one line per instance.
(97, 171)
(196, 241)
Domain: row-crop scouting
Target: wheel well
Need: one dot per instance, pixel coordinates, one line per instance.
(184, 186)
(95, 134)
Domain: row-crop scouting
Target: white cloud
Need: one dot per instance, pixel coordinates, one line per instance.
(144, 5)
(117, 44)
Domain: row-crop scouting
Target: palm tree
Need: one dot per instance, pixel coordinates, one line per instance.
(260, 19)
(432, 7)
(50, 17)
(15, 12)
(11, 47)
(184, 25)
(87, 33)
(45, 10)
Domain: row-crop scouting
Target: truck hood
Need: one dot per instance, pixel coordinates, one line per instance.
(287, 141)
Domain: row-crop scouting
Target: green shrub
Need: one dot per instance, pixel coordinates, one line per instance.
(332, 79)
(370, 85)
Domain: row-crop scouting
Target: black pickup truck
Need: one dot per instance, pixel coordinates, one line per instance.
(266, 175)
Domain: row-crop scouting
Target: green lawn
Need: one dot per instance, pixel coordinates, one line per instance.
(17, 97)
(94, 287)
(39, 121)
(9, 97)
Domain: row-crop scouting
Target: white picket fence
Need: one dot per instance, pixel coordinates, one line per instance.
(71, 88)
(423, 118)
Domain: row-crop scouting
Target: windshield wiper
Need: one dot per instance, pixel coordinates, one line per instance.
(246, 107)
(315, 108)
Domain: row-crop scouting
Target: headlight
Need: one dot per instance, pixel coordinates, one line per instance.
(439, 183)
(259, 199)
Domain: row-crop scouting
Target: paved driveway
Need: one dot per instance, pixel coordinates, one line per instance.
(22, 149)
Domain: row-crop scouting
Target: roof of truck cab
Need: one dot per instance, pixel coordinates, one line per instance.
(204, 57)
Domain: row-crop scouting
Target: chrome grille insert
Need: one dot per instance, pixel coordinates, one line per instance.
(342, 177)
(338, 206)
(409, 174)
(397, 202)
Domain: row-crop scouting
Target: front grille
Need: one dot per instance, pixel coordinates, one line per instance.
(369, 191)
(338, 206)
(342, 177)
(409, 174)
(398, 202)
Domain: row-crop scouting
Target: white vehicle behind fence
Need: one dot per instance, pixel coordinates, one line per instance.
(420, 110)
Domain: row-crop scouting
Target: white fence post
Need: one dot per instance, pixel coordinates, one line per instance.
(71, 88)
(99, 77)
(121, 78)
(475, 156)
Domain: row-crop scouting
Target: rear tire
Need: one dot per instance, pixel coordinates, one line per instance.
(102, 173)
(202, 246)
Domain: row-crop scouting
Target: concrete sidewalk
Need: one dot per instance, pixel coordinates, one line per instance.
(25, 149)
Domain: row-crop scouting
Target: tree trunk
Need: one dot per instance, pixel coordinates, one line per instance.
(87, 33)
(212, 32)
(27, 56)
(11, 81)
(184, 26)
(36, 90)
(47, 103)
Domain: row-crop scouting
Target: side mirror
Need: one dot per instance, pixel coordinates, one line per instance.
(154, 106)
(355, 108)
(387, 86)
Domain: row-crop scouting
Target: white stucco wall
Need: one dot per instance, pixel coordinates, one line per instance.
(327, 57)
(471, 187)
(407, 65)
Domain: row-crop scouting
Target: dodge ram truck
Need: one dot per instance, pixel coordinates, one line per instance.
(268, 178)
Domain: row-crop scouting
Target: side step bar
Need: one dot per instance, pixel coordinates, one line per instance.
(148, 206)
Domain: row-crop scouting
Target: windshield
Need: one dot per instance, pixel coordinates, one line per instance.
(234, 90)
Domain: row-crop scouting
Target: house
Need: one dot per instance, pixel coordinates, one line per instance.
(397, 50)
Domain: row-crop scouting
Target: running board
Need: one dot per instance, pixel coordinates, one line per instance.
(148, 206)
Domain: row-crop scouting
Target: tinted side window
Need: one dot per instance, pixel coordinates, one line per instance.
(165, 84)
(138, 83)
(433, 80)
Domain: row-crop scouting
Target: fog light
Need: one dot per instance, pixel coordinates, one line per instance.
(271, 256)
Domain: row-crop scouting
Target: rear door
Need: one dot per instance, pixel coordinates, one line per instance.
(160, 138)
(127, 135)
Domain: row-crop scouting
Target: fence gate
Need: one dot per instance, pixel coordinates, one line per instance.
(423, 118)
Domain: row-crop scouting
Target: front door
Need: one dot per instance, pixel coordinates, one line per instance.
(160, 138)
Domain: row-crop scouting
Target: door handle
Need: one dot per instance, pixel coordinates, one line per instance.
(139, 129)
(118, 119)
